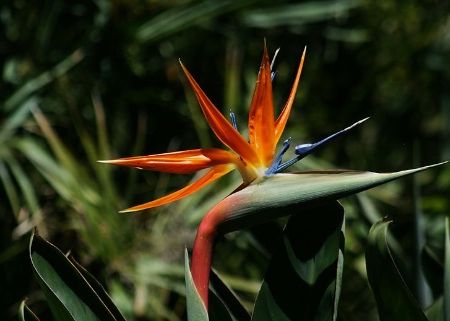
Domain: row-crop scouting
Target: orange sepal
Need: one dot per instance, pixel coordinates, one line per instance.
(213, 174)
(284, 115)
(261, 115)
(181, 162)
(224, 131)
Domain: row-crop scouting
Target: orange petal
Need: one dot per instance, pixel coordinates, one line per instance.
(284, 115)
(224, 131)
(261, 115)
(213, 174)
(181, 162)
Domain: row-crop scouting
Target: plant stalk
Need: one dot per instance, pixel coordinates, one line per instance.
(203, 249)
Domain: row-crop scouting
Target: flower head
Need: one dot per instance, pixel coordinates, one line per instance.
(253, 157)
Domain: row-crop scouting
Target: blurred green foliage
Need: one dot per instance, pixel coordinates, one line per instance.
(88, 80)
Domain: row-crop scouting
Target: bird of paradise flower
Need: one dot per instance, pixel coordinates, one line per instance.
(253, 158)
(260, 167)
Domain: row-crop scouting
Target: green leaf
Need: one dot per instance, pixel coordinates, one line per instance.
(304, 275)
(195, 308)
(25, 184)
(447, 271)
(298, 14)
(68, 294)
(16, 119)
(217, 309)
(254, 204)
(394, 300)
(25, 314)
(181, 17)
(435, 312)
(433, 266)
(10, 188)
(43, 79)
(228, 298)
(99, 290)
(66, 183)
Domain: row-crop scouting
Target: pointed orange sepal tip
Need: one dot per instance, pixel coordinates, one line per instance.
(213, 174)
(221, 127)
(284, 115)
(261, 115)
(181, 162)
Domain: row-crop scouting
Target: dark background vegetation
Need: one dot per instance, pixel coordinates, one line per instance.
(89, 80)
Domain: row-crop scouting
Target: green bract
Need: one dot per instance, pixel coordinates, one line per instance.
(258, 201)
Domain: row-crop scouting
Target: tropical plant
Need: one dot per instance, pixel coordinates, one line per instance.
(313, 272)
(82, 71)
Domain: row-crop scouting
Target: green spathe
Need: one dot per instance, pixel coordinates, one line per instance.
(258, 202)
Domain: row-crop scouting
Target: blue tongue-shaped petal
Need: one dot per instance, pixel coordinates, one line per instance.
(304, 150)
(278, 159)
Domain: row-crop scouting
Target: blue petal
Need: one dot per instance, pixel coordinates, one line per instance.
(304, 150)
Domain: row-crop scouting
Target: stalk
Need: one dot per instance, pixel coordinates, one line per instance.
(203, 248)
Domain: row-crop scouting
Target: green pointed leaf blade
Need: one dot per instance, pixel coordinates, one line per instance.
(395, 301)
(446, 271)
(254, 203)
(10, 188)
(68, 294)
(16, 119)
(25, 314)
(25, 185)
(99, 290)
(302, 281)
(433, 267)
(217, 310)
(195, 308)
(228, 297)
(34, 84)
(266, 307)
(181, 17)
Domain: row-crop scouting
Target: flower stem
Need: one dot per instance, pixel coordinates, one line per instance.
(203, 250)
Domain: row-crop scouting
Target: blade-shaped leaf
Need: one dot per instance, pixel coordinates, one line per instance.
(304, 275)
(228, 298)
(217, 311)
(25, 185)
(99, 290)
(394, 300)
(253, 204)
(179, 18)
(297, 14)
(25, 314)
(68, 294)
(433, 267)
(9, 187)
(439, 310)
(43, 79)
(447, 271)
(195, 308)
(16, 119)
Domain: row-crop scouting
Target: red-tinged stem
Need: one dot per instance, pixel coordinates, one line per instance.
(203, 249)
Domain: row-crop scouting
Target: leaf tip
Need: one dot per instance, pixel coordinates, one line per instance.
(435, 165)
